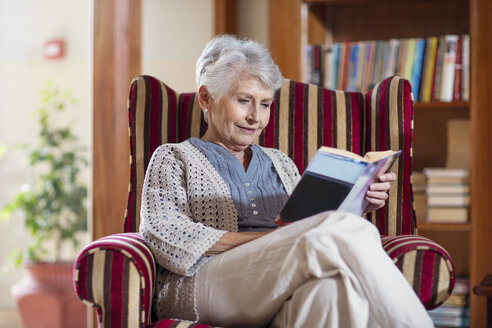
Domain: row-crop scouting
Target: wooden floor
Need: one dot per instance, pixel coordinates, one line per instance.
(9, 319)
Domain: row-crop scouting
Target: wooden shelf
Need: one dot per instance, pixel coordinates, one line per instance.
(456, 227)
(462, 105)
(357, 2)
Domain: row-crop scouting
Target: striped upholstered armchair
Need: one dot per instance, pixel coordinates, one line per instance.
(116, 274)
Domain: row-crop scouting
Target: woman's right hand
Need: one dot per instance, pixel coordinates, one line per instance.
(230, 240)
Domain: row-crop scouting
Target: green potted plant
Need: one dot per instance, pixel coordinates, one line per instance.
(53, 206)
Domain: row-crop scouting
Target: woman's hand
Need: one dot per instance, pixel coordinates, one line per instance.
(377, 193)
(230, 240)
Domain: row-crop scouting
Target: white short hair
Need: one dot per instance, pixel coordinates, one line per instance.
(226, 57)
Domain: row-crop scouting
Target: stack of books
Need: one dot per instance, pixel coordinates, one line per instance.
(419, 196)
(455, 312)
(438, 68)
(448, 195)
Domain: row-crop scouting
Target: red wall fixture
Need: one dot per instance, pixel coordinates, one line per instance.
(54, 49)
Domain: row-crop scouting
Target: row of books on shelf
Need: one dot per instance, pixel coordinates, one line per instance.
(455, 311)
(438, 68)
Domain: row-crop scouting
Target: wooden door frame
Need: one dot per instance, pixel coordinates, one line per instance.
(225, 16)
(117, 60)
(481, 150)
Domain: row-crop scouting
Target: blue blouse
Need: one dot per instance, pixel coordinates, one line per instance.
(257, 193)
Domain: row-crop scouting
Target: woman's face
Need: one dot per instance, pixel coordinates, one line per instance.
(236, 120)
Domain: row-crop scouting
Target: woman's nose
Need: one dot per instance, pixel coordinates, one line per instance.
(253, 115)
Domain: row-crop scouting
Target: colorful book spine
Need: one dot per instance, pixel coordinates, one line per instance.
(370, 55)
(447, 74)
(465, 84)
(342, 73)
(402, 57)
(428, 69)
(417, 67)
(361, 65)
(330, 68)
(412, 43)
(392, 58)
(380, 63)
(458, 70)
(336, 62)
(308, 63)
(352, 67)
(437, 74)
(317, 77)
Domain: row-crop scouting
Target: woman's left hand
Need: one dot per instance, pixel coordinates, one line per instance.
(377, 193)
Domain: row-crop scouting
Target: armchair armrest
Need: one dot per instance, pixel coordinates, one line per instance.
(426, 266)
(116, 275)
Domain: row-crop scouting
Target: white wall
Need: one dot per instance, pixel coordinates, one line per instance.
(24, 26)
(174, 33)
(252, 20)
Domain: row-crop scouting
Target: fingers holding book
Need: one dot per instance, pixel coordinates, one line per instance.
(390, 176)
(377, 193)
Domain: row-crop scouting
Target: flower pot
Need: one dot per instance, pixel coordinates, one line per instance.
(45, 297)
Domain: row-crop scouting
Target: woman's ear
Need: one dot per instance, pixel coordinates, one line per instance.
(204, 98)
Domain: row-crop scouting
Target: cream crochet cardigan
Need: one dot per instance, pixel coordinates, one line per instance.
(186, 208)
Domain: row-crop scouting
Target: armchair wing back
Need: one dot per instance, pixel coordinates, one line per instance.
(303, 118)
(156, 115)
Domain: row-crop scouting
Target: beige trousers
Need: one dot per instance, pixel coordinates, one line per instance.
(328, 270)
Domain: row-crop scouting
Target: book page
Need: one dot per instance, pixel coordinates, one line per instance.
(373, 156)
(369, 157)
(342, 152)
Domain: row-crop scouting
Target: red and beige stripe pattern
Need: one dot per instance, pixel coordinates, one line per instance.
(177, 324)
(305, 117)
(116, 274)
(389, 125)
(157, 115)
(426, 266)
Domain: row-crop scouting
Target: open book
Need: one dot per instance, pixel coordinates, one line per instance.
(336, 179)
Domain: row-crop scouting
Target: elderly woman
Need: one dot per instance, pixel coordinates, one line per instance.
(208, 213)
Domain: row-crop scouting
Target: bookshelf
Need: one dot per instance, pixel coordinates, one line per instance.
(457, 227)
(430, 131)
(463, 106)
(296, 23)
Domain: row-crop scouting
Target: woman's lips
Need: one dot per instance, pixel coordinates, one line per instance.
(247, 130)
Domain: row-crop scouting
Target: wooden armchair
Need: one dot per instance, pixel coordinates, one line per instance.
(116, 274)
